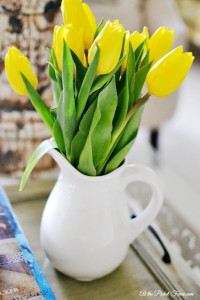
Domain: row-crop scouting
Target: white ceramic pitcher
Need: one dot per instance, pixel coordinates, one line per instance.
(86, 227)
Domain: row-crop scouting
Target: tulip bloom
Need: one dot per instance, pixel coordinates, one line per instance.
(135, 39)
(160, 43)
(16, 63)
(110, 41)
(74, 40)
(81, 17)
(169, 72)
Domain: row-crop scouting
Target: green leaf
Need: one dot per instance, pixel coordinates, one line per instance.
(42, 149)
(58, 136)
(130, 73)
(120, 148)
(39, 104)
(139, 51)
(80, 71)
(56, 91)
(102, 80)
(53, 112)
(138, 61)
(52, 65)
(116, 161)
(93, 97)
(130, 131)
(145, 60)
(124, 142)
(140, 77)
(87, 83)
(99, 28)
(80, 138)
(102, 125)
(99, 136)
(130, 68)
(122, 106)
(66, 111)
(54, 74)
(59, 82)
(86, 165)
(118, 72)
(51, 71)
(131, 92)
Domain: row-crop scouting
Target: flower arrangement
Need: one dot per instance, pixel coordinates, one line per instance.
(101, 77)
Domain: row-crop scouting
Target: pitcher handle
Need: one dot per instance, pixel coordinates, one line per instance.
(139, 173)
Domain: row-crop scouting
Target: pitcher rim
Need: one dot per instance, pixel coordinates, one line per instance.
(82, 175)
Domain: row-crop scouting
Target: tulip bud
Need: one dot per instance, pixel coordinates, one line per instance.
(74, 40)
(110, 41)
(169, 72)
(160, 43)
(81, 17)
(15, 64)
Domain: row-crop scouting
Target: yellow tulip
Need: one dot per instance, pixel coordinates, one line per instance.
(74, 40)
(16, 63)
(110, 41)
(81, 17)
(160, 43)
(169, 72)
(137, 38)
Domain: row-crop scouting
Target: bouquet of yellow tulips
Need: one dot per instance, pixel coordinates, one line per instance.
(101, 76)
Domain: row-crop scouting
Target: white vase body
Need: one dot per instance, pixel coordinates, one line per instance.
(86, 227)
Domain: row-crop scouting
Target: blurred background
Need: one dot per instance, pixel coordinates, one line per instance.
(27, 25)
(170, 127)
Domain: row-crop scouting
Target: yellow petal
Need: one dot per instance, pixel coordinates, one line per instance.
(81, 17)
(160, 43)
(71, 12)
(74, 40)
(90, 17)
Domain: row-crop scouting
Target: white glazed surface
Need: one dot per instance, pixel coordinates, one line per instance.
(86, 228)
